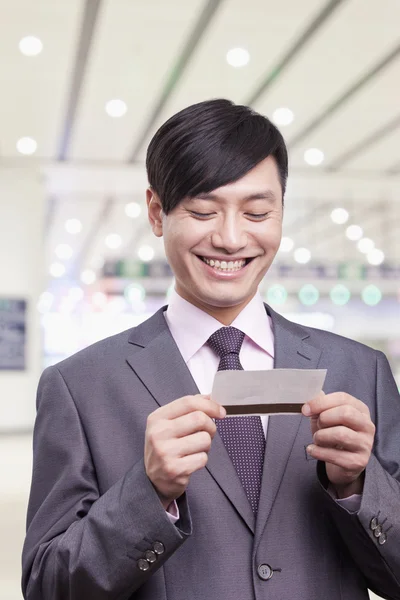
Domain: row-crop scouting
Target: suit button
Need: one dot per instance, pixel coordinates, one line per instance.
(143, 564)
(150, 556)
(265, 572)
(374, 523)
(382, 539)
(378, 531)
(159, 548)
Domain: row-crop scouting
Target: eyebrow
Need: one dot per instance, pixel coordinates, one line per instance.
(264, 195)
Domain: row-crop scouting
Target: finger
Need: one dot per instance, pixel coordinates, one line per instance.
(308, 406)
(314, 424)
(340, 438)
(326, 401)
(347, 416)
(192, 444)
(188, 404)
(188, 424)
(349, 461)
(193, 462)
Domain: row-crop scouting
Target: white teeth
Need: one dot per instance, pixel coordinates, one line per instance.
(225, 265)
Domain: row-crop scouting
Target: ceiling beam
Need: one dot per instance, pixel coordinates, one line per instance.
(345, 97)
(364, 144)
(89, 21)
(292, 53)
(97, 223)
(176, 72)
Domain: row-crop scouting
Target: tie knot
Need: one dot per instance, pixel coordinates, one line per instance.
(227, 340)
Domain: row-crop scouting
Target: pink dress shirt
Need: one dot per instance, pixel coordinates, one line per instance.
(191, 327)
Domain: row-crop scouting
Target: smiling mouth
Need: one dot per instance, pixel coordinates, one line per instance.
(226, 265)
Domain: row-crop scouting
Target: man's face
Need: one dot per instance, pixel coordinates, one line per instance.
(220, 245)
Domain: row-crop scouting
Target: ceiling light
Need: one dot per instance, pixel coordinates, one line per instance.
(146, 253)
(26, 145)
(63, 251)
(354, 233)
(286, 244)
(237, 57)
(133, 210)
(302, 255)
(113, 241)
(116, 108)
(314, 156)
(339, 216)
(45, 303)
(73, 226)
(283, 116)
(30, 46)
(375, 256)
(57, 270)
(88, 276)
(365, 245)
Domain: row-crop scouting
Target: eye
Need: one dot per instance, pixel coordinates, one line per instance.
(200, 215)
(257, 216)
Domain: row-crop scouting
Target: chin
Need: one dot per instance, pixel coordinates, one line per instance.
(226, 301)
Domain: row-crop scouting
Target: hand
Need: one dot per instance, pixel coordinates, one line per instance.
(178, 438)
(343, 436)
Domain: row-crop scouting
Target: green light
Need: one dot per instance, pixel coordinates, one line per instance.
(308, 294)
(340, 294)
(371, 295)
(276, 294)
(135, 293)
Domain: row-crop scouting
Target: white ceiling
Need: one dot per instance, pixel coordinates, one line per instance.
(336, 64)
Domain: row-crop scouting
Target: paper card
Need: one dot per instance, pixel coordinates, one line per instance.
(277, 391)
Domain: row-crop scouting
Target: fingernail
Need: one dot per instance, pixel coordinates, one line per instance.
(310, 448)
(306, 410)
(222, 412)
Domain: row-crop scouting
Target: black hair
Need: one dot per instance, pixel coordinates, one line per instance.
(208, 145)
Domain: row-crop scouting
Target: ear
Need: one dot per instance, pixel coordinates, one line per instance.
(154, 211)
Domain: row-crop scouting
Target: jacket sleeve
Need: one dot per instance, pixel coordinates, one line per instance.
(372, 535)
(79, 544)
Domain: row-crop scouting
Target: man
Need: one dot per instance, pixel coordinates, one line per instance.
(141, 488)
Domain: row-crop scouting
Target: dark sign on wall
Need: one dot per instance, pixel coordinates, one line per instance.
(12, 334)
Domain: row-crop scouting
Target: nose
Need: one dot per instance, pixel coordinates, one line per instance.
(229, 235)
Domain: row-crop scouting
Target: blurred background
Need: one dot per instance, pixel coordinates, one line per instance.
(84, 86)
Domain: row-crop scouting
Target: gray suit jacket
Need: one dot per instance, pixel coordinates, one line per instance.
(93, 512)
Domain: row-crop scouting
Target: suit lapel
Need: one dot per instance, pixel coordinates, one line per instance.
(160, 367)
(292, 351)
(158, 363)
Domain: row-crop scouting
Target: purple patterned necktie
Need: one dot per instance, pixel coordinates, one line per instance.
(243, 437)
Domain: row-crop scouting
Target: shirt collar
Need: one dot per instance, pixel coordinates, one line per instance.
(183, 317)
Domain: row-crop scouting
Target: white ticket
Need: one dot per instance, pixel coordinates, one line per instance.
(277, 391)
